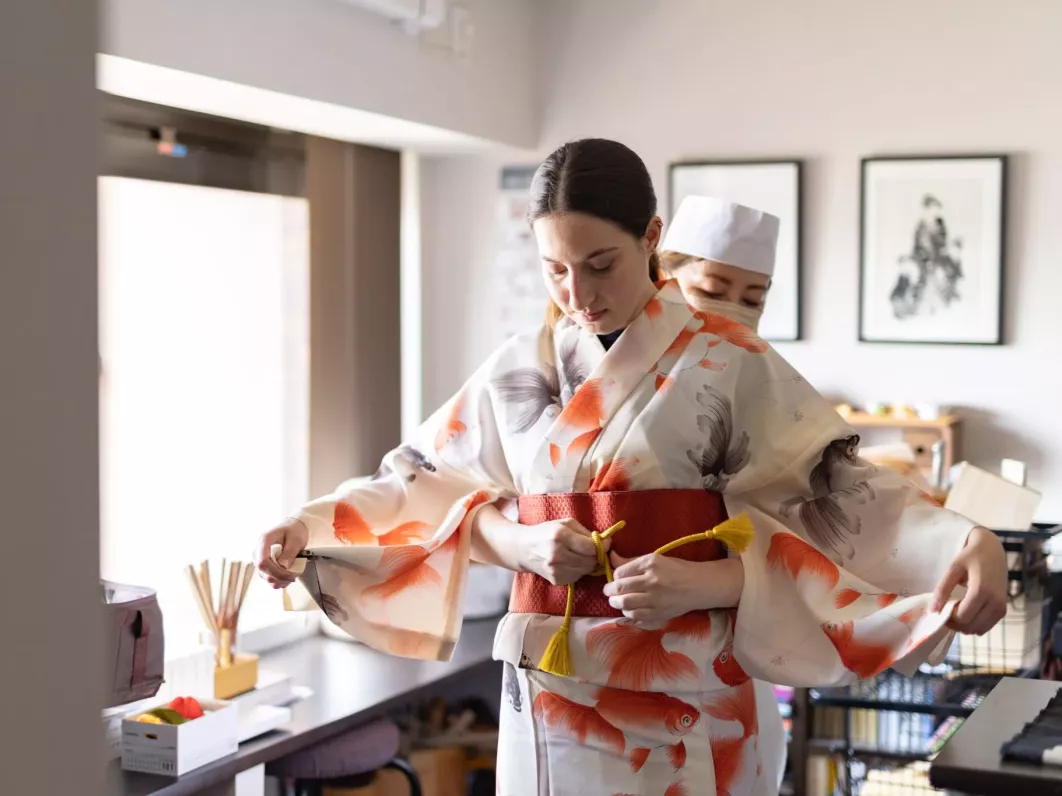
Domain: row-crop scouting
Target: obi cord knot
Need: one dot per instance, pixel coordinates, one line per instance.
(735, 534)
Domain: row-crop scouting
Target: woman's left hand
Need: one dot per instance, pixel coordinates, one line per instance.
(982, 568)
(652, 589)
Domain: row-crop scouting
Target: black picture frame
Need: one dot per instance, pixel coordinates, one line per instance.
(991, 301)
(790, 318)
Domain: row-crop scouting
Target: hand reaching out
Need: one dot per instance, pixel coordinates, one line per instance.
(981, 566)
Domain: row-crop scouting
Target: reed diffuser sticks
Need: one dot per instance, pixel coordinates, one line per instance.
(222, 618)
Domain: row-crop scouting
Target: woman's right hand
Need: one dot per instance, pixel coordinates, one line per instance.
(561, 551)
(292, 535)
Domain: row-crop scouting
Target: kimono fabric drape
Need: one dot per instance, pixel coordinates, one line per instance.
(838, 578)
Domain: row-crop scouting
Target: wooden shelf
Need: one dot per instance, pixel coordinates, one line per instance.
(918, 433)
(864, 420)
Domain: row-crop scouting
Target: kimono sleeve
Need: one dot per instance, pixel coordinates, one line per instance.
(388, 555)
(840, 577)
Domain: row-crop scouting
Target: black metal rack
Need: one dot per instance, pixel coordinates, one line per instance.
(880, 733)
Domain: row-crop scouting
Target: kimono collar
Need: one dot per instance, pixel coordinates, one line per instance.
(602, 381)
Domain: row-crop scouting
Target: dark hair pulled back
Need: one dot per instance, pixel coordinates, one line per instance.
(599, 178)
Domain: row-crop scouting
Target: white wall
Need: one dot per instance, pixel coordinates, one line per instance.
(459, 242)
(331, 51)
(50, 629)
(830, 82)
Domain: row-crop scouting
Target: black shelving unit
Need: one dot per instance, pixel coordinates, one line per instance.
(891, 758)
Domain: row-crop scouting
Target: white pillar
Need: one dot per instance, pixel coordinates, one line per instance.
(50, 633)
(412, 306)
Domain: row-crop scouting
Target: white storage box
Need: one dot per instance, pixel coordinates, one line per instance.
(173, 750)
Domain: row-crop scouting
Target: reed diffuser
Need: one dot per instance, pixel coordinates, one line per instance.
(234, 673)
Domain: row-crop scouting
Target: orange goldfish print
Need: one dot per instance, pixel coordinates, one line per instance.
(695, 626)
(613, 476)
(350, 527)
(476, 499)
(582, 722)
(863, 657)
(797, 557)
(708, 364)
(406, 568)
(925, 497)
(664, 382)
(645, 714)
(727, 756)
(728, 753)
(846, 597)
(645, 711)
(911, 617)
(620, 715)
(637, 659)
(731, 331)
(725, 665)
(586, 409)
(727, 668)
(736, 704)
(583, 442)
(407, 533)
(454, 427)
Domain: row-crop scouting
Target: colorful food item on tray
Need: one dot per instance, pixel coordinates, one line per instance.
(188, 707)
(179, 711)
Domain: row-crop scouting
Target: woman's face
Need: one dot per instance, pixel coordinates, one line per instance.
(597, 273)
(703, 280)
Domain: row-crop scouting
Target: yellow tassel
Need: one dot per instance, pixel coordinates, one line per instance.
(736, 533)
(557, 658)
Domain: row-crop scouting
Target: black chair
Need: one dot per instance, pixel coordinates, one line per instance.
(348, 760)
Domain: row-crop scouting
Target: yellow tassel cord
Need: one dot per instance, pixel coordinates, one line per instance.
(557, 659)
(735, 533)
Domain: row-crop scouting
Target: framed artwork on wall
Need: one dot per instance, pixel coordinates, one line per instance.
(770, 185)
(931, 244)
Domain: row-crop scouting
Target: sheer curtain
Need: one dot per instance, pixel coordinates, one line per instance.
(204, 345)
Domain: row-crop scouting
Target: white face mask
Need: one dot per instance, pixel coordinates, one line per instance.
(746, 316)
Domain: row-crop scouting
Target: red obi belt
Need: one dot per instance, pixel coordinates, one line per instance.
(654, 517)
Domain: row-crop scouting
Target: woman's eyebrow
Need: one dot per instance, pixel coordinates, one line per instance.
(585, 259)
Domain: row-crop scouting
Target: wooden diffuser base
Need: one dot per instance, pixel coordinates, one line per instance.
(237, 678)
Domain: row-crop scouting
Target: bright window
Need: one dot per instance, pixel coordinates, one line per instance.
(204, 343)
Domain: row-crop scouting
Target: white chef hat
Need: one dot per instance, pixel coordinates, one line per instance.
(726, 232)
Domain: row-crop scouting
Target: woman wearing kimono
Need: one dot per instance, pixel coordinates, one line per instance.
(630, 406)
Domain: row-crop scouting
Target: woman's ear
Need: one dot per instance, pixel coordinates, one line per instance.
(653, 233)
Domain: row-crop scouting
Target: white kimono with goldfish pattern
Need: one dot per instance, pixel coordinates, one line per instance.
(838, 579)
